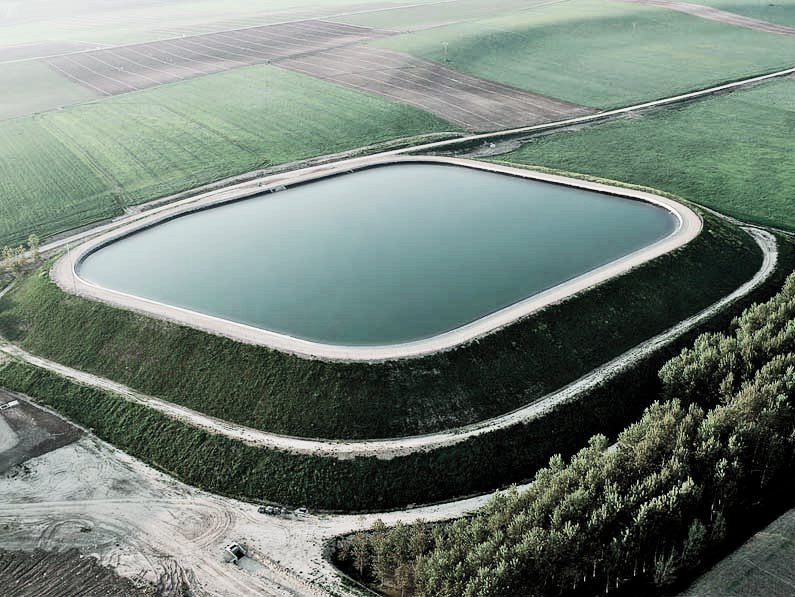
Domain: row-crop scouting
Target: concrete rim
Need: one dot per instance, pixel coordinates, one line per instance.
(64, 272)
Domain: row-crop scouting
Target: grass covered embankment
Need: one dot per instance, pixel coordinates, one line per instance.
(733, 153)
(285, 394)
(230, 467)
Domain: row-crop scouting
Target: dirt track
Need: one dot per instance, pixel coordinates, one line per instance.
(715, 14)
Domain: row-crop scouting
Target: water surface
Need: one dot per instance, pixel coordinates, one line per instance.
(386, 255)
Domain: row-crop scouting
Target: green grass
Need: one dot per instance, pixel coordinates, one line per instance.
(774, 11)
(285, 394)
(63, 169)
(601, 54)
(762, 566)
(32, 86)
(734, 153)
(417, 16)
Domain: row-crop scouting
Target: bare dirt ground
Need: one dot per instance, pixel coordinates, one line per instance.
(160, 533)
(764, 565)
(45, 574)
(715, 14)
(122, 69)
(27, 432)
(469, 101)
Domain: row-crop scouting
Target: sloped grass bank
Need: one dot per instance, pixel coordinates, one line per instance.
(481, 464)
(285, 394)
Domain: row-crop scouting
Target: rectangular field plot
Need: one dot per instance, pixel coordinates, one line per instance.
(119, 70)
(31, 86)
(66, 168)
(470, 102)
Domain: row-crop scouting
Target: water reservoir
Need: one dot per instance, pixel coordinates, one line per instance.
(386, 255)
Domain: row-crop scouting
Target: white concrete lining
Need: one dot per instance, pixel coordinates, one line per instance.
(64, 273)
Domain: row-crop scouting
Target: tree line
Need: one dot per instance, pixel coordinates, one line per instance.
(640, 512)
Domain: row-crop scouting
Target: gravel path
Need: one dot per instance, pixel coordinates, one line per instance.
(390, 448)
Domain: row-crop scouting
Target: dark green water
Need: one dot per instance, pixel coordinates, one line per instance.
(386, 255)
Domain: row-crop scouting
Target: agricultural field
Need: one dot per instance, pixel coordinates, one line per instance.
(762, 566)
(125, 22)
(598, 54)
(29, 87)
(777, 11)
(733, 153)
(67, 168)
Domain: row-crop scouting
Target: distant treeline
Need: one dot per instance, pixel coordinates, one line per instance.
(637, 514)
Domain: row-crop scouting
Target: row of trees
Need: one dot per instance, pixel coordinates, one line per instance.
(14, 259)
(642, 511)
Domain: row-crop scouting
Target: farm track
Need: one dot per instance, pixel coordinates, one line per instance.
(390, 448)
(715, 14)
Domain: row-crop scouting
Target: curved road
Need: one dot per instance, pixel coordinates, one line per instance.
(389, 448)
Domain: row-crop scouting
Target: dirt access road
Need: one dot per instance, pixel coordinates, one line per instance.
(159, 532)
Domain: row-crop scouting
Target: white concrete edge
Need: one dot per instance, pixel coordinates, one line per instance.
(65, 272)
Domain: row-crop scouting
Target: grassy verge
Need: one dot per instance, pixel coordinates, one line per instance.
(479, 465)
(285, 394)
(731, 153)
(600, 54)
(75, 166)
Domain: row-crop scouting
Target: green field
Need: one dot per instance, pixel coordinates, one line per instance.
(734, 153)
(762, 566)
(600, 54)
(32, 86)
(778, 11)
(434, 14)
(494, 375)
(67, 168)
